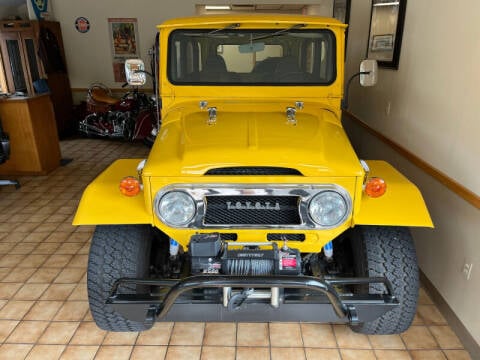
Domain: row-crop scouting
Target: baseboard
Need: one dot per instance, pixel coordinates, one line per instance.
(457, 326)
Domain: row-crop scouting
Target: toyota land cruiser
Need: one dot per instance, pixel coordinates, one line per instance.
(252, 204)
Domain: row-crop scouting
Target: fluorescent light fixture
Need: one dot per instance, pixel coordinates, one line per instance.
(217, 7)
(387, 3)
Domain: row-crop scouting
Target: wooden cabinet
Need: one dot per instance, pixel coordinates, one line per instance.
(30, 124)
(31, 51)
(19, 51)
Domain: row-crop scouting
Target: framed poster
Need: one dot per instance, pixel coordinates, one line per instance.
(386, 30)
(124, 37)
(382, 42)
(124, 44)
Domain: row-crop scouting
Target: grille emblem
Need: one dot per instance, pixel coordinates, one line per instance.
(248, 205)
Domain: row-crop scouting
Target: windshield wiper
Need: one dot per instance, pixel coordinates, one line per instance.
(279, 32)
(228, 27)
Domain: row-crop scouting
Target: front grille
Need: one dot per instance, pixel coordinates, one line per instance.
(252, 210)
(253, 170)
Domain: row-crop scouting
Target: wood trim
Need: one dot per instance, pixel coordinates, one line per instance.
(441, 177)
(455, 323)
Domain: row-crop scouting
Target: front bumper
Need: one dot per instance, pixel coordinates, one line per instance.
(300, 298)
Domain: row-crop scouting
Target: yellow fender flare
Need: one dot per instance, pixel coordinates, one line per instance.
(401, 205)
(103, 204)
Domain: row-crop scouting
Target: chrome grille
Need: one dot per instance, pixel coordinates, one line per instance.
(252, 210)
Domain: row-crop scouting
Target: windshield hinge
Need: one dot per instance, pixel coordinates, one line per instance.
(292, 111)
(212, 112)
(212, 116)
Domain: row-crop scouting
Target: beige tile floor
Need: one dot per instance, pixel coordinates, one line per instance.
(43, 302)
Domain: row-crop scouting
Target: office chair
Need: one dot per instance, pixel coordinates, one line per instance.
(5, 154)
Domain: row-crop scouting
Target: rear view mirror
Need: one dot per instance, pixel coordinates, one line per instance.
(251, 47)
(368, 72)
(135, 72)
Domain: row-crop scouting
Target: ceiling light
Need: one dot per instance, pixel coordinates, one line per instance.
(217, 7)
(387, 3)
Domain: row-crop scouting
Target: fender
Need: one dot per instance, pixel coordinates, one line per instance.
(103, 204)
(401, 205)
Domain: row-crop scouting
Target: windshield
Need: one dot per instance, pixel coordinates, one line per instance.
(252, 57)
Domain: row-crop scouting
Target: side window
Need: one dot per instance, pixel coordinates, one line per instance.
(177, 62)
(186, 59)
(317, 61)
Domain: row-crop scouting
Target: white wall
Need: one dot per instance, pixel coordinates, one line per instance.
(8, 11)
(434, 111)
(89, 57)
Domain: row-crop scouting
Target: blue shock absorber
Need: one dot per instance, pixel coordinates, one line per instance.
(328, 250)
(173, 247)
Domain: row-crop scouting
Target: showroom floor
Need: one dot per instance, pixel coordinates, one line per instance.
(43, 302)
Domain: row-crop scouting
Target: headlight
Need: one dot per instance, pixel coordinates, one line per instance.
(176, 208)
(328, 208)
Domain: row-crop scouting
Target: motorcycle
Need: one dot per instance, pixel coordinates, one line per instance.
(133, 117)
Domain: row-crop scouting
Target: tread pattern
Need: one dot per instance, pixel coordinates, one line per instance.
(116, 251)
(390, 252)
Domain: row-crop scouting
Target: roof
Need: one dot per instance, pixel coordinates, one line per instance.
(250, 19)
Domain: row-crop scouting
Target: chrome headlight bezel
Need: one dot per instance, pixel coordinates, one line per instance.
(329, 197)
(181, 196)
(199, 193)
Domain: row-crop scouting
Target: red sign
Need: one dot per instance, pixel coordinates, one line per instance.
(82, 24)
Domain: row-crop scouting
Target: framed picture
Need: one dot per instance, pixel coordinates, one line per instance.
(124, 44)
(386, 30)
(382, 42)
(124, 37)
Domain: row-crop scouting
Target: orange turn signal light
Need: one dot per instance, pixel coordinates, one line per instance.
(375, 187)
(130, 186)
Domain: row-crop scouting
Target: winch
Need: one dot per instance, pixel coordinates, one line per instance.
(211, 255)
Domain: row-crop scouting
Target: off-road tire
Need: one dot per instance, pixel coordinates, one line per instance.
(116, 251)
(390, 252)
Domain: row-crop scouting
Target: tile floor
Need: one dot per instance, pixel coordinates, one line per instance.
(43, 302)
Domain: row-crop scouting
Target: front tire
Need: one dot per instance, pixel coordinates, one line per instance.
(116, 251)
(390, 252)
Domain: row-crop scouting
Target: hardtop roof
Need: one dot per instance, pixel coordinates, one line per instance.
(250, 19)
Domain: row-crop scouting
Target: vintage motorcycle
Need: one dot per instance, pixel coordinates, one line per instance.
(132, 117)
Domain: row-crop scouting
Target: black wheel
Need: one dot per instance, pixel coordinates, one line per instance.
(390, 252)
(116, 251)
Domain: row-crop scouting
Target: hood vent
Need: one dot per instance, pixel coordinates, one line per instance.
(253, 170)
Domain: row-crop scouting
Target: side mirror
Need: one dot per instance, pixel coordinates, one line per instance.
(135, 72)
(368, 72)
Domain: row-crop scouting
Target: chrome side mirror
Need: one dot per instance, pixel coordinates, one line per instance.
(368, 72)
(135, 72)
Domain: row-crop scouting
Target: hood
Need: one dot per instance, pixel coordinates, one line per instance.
(251, 135)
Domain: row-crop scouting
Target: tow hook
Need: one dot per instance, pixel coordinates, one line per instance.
(352, 315)
(237, 300)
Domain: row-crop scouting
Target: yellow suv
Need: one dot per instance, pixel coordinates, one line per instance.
(252, 204)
